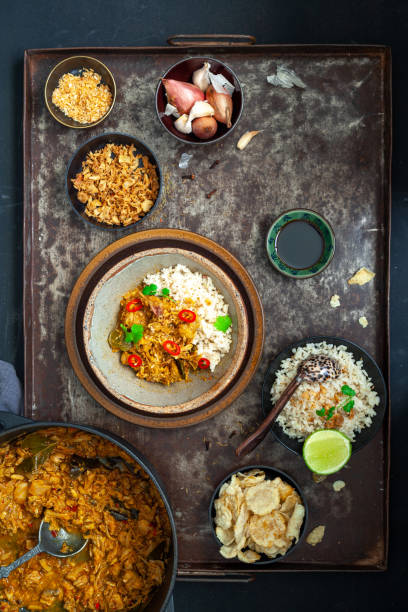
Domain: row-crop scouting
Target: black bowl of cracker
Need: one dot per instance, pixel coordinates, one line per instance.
(258, 515)
(114, 181)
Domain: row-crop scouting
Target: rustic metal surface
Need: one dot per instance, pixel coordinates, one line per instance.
(327, 148)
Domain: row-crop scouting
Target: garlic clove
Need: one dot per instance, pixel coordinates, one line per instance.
(201, 109)
(183, 124)
(171, 110)
(221, 84)
(201, 76)
(246, 139)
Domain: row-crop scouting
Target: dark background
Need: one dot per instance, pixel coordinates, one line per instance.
(56, 23)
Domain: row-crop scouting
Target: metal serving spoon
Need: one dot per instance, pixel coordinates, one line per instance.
(51, 544)
(316, 368)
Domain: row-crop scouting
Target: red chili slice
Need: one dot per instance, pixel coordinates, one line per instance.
(134, 305)
(171, 347)
(188, 316)
(203, 363)
(134, 361)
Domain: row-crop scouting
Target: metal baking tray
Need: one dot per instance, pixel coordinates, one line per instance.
(328, 148)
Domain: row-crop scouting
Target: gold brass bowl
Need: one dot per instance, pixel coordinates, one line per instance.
(74, 64)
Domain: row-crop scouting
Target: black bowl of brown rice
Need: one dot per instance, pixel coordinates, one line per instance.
(271, 474)
(367, 379)
(114, 181)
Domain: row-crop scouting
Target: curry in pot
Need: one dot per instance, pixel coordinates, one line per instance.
(84, 483)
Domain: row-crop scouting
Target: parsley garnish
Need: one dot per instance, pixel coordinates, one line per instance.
(223, 323)
(321, 412)
(150, 289)
(135, 334)
(330, 413)
(346, 390)
(165, 291)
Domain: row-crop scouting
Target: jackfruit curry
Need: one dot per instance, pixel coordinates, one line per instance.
(155, 336)
(84, 483)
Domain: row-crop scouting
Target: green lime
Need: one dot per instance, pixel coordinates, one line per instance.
(326, 451)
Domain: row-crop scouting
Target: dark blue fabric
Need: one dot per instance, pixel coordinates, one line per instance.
(11, 395)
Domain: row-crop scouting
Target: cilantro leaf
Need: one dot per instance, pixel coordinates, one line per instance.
(330, 413)
(135, 334)
(346, 390)
(223, 323)
(321, 412)
(348, 406)
(150, 289)
(165, 291)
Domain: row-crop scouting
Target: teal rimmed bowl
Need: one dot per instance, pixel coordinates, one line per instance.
(321, 225)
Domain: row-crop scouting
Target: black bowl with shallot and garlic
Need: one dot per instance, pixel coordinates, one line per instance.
(199, 100)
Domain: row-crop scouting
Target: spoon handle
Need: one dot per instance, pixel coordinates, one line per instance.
(254, 439)
(6, 569)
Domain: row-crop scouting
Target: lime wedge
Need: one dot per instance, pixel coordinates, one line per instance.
(326, 451)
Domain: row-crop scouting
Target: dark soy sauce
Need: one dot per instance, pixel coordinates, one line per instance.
(299, 244)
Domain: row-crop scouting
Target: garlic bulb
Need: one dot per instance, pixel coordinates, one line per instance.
(201, 109)
(183, 124)
(201, 76)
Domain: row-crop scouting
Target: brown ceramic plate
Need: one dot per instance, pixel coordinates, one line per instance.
(92, 312)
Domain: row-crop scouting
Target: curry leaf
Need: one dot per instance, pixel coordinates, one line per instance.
(41, 448)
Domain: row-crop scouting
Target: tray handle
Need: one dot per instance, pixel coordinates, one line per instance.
(211, 40)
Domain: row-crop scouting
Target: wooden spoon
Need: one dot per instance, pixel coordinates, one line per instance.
(317, 368)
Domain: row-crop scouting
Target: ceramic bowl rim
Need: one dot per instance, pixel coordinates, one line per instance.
(199, 142)
(80, 125)
(236, 358)
(283, 475)
(321, 267)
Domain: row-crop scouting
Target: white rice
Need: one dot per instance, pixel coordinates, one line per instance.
(298, 419)
(209, 304)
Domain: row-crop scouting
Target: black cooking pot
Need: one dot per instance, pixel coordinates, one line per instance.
(13, 426)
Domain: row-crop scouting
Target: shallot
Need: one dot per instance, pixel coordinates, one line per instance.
(182, 95)
(201, 77)
(201, 109)
(183, 124)
(222, 105)
(204, 127)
